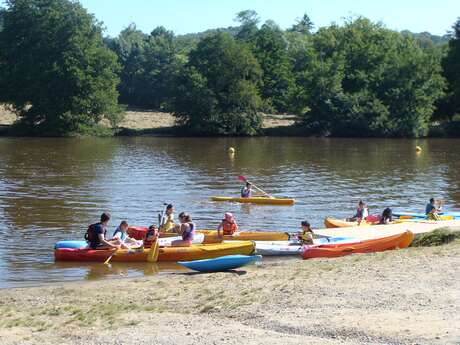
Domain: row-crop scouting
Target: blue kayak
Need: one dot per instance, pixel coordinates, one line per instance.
(70, 244)
(224, 263)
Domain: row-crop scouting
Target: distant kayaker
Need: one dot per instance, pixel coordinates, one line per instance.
(122, 236)
(431, 210)
(96, 234)
(387, 216)
(246, 191)
(186, 229)
(167, 221)
(361, 213)
(306, 236)
(228, 226)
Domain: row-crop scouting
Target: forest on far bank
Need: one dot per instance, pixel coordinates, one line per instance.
(61, 75)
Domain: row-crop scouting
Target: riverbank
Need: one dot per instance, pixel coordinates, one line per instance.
(397, 297)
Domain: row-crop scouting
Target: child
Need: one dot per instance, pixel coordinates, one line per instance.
(306, 236)
(122, 237)
(151, 236)
(167, 221)
(228, 225)
(186, 229)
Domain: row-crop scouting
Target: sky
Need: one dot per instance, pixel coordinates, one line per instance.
(187, 16)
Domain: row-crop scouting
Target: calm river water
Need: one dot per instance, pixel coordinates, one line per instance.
(51, 189)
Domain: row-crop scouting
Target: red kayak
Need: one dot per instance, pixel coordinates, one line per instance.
(369, 246)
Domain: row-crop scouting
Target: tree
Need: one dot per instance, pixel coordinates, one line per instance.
(56, 72)
(248, 19)
(270, 49)
(451, 70)
(365, 80)
(303, 25)
(217, 91)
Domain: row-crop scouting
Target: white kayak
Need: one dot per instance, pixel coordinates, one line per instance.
(166, 241)
(282, 248)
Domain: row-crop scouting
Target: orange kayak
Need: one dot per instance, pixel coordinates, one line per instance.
(370, 246)
(341, 223)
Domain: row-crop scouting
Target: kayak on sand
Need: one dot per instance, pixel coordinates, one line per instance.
(194, 252)
(402, 240)
(340, 223)
(256, 200)
(223, 263)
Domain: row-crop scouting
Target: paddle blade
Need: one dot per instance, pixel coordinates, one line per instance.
(154, 252)
(242, 178)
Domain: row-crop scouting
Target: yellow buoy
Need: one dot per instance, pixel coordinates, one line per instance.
(418, 149)
(231, 150)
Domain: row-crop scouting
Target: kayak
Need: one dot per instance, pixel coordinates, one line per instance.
(448, 215)
(284, 248)
(194, 252)
(256, 200)
(210, 236)
(223, 263)
(402, 240)
(162, 242)
(341, 223)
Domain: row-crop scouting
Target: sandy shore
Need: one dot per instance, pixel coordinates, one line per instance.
(149, 119)
(398, 297)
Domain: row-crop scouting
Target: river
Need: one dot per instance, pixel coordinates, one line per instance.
(51, 189)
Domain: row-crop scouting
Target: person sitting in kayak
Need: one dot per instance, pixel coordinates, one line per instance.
(306, 236)
(186, 229)
(167, 221)
(123, 238)
(228, 226)
(431, 210)
(246, 191)
(151, 236)
(361, 213)
(96, 235)
(387, 216)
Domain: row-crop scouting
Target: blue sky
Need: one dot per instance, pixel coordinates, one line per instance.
(185, 16)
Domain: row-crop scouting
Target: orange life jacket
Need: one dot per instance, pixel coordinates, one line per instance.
(229, 228)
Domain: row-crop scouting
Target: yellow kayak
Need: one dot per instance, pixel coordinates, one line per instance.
(210, 236)
(340, 223)
(256, 200)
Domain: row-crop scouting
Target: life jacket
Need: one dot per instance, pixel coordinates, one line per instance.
(123, 235)
(229, 228)
(306, 237)
(151, 237)
(90, 235)
(245, 192)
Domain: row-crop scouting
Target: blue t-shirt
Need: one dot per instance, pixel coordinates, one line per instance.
(429, 208)
(97, 229)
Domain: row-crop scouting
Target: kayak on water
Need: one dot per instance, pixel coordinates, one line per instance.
(282, 248)
(340, 223)
(256, 200)
(162, 242)
(194, 252)
(423, 215)
(402, 240)
(223, 263)
(210, 236)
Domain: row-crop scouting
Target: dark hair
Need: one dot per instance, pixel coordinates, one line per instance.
(170, 206)
(248, 184)
(124, 222)
(305, 223)
(186, 217)
(361, 202)
(105, 217)
(152, 227)
(182, 214)
(432, 200)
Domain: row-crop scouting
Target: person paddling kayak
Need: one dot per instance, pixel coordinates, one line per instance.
(431, 210)
(186, 229)
(246, 191)
(96, 235)
(228, 226)
(306, 236)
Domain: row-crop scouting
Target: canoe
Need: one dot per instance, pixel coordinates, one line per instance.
(210, 236)
(402, 240)
(256, 200)
(163, 242)
(223, 263)
(194, 252)
(284, 248)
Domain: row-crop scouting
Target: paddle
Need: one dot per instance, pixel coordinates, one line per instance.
(106, 262)
(162, 216)
(244, 179)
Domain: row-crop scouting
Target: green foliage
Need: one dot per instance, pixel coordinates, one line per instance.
(248, 19)
(303, 25)
(365, 80)
(451, 65)
(54, 68)
(217, 91)
(436, 238)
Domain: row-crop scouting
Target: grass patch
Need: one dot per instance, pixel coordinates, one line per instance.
(436, 238)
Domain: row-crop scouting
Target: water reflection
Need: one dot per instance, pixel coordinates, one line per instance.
(51, 189)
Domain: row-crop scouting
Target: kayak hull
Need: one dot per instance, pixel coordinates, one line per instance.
(285, 248)
(255, 200)
(402, 240)
(341, 223)
(223, 263)
(194, 252)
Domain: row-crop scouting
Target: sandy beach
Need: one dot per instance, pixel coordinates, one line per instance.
(398, 297)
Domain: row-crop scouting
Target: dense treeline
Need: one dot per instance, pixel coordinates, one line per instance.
(357, 79)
